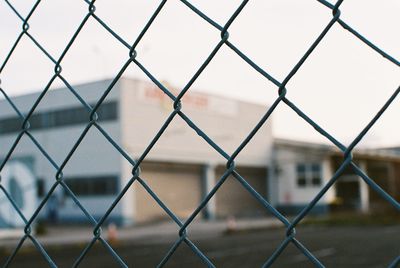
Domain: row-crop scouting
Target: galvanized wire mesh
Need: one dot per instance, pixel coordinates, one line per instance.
(178, 111)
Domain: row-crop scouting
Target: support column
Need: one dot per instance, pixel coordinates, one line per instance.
(208, 182)
(363, 190)
(272, 185)
(272, 180)
(392, 179)
(327, 174)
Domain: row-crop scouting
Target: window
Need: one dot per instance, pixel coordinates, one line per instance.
(41, 187)
(58, 118)
(316, 174)
(93, 186)
(309, 174)
(9, 125)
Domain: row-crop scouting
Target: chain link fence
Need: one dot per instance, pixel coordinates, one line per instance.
(178, 111)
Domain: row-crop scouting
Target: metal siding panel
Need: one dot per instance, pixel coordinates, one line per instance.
(178, 186)
(232, 199)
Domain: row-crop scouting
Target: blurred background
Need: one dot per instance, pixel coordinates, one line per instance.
(341, 86)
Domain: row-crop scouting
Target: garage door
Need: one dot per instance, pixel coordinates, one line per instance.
(177, 185)
(233, 199)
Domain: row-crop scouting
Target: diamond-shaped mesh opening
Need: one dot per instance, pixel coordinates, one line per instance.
(101, 57)
(96, 251)
(354, 15)
(372, 85)
(171, 184)
(283, 25)
(292, 256)
(24, 257)
(127, 18)
(382, 134)
(327, 245)
(20, 184)
(306, 132)
(13, 29)
(98, 181)
(190, 258)
(22, 7)
(157, 55)
(58, 19)
(242, 81)
(56, 111)
(18, 66)
(233, 200)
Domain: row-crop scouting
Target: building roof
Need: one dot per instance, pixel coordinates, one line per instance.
(391, 154)
(90, 84)
(302, 144)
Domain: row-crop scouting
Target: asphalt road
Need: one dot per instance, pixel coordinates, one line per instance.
(370, 246)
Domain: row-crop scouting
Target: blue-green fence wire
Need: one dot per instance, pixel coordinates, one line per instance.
(178, 111)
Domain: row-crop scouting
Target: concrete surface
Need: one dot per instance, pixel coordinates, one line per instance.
(334, 246)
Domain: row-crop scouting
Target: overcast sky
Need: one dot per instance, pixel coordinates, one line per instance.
(341, 86)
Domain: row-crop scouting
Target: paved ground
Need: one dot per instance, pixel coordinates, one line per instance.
(163, 231)
(371, 246)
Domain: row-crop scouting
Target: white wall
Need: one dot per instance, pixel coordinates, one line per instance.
(226, 121)
(93, 157)
(287, 158)
(142, 112)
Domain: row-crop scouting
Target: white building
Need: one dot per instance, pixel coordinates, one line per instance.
(181, 168)
(302, 169)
